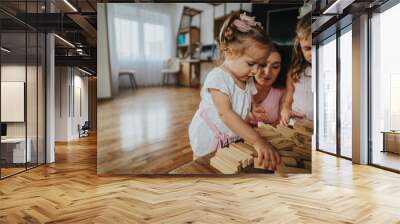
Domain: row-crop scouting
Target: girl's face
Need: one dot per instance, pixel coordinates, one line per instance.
(250, 63)
(305, 44)
(271, 71)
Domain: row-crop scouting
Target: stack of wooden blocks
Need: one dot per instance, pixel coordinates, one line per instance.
(292, 143)
(233, 159)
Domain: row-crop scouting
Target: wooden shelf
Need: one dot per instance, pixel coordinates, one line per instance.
(188, 29)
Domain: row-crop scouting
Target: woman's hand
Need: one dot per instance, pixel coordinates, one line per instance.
(259, 113)
(267, 155)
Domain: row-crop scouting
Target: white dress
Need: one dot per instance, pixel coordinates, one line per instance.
(202, 137)
(303, 95)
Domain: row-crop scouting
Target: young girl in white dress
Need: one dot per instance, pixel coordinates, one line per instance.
(227, 92)
(298, 101)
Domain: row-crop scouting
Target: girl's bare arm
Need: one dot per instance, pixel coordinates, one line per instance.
(267, 155)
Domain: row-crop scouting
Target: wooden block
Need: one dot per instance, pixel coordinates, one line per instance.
(245, 158)
(304, 139)
(304, 125)
(289, 161)
(304, 157)
(301, 145)
(281, 143)
(242, 151)
(301, 150)
(285, 131)
(288, 153)
(256, 166)
(246, 148)
(267, 127)
(223, 163)
(218, 164)
(238, 157)
(225, 155)
(267, 130)
(267, 134)
(307, 165)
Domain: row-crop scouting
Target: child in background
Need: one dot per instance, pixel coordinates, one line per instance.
(298, 102)
(228, 89)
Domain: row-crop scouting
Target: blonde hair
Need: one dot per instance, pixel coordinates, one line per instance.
(299, 63)
(233, 37)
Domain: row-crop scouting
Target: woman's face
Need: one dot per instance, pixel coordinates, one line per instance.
(271, 71)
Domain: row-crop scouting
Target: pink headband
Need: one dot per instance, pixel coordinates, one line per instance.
(245, 23)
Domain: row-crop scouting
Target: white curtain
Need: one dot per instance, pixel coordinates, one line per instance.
(141, 40)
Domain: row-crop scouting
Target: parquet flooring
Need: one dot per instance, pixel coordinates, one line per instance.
(146, 131)
(69, 191)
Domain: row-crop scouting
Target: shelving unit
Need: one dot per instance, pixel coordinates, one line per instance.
(188, 42)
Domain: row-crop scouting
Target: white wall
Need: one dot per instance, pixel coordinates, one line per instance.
(16, 72)
(103, 63)
(67, 116)
(50, 96)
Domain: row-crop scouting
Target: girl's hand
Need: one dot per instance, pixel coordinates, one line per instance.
(259, 113)
(297, 114)
(267, 155)
(285, 116)
(294, 114)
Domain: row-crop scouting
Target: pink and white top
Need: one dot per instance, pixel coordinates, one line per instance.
(271, 105)
(207, 129)
(303, 95)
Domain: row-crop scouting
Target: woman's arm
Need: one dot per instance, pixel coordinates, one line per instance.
(267, 155)
(287, 101)
(281, 101)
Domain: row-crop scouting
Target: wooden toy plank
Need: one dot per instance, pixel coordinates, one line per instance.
(256, 166)
(301, 145)
(243, 152)
(227, 153)
(301, 150)
(243, 157)
(246, 148)
(307, 164)
(232, 153)
(225, 156)
(282, 143)
(304, 125)
(285, 131)
(267, 134)
(219, 165)
(248, 155)
(288, 153)
(304, 139)
(289, 161)
(232, 167)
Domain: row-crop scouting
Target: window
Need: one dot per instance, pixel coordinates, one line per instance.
(154, 36)
(385, 84)
(346, 93)
(327, 96)
(127, 38)
(142, 35)
(394, 101)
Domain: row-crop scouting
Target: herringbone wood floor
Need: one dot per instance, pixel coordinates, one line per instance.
(69, 191)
